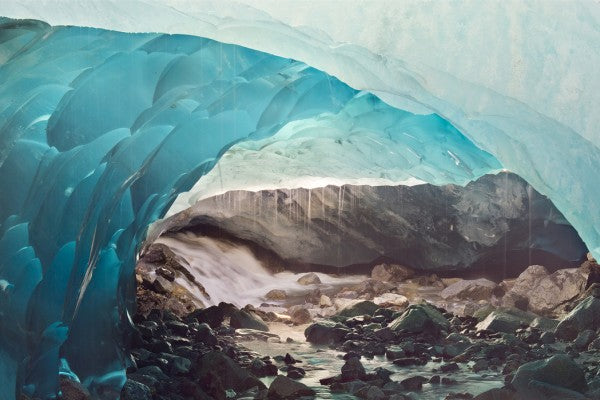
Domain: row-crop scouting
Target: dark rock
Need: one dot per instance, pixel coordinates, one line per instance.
(370, 393)
(162, 285)
(507, 321)
(72, 390)
(558, 370)
(420, 318)
(584, 339)
(496, 394)
(261, 369)
(435, 380)
(241, 319)
(490, 216)
(213, 316)
(414, 383)
(586, 315)
(285, 388)
(219, 368)
(407, 361)
(452, 367)
(205, 334)
(166, 273)
(133, 390)
(325, 332)
(353, 370)
(360, 308)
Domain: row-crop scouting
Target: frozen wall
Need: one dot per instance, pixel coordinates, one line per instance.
(518, 78)
(99, 132)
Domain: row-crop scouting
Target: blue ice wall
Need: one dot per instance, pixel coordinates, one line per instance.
(99, 132)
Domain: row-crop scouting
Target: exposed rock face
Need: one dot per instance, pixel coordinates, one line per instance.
(423, 227)
(552, 377)
(476, 289)
(537, 290)
(585, 316)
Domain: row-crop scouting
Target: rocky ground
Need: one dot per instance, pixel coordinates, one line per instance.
(395, 335)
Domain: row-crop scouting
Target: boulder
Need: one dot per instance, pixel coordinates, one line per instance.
(391, 273)
(541, 292)
(586, 315)
(544, 324)
(325, 332)
(556, 289)
(285, 388)
(325, 301)
(309, 279)
(133, 390)
(370, 393)
(359, 308)
(391, 300)
(241, 319)
(353, 370)
(506, 320)
(476, 289)
(72, 390)
(217, 368)
(420, 318)
(496, 394)
(300, 316)
(536, 379)
(276, 294)
(584, 338)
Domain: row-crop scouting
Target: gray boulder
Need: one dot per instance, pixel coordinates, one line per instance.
(285, 388)
(505, 320)
(325, 332)
(309, 279)
(419, 318)
(476, 289)
(216, 366)
(240, 319)
(586, 315)
(360, 308)
(553, 376)
(391, 273)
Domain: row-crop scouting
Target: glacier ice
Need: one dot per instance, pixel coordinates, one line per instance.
(101, 130)
(79, 187)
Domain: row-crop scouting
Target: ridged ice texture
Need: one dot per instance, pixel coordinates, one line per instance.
(520, 79)
(99, 132)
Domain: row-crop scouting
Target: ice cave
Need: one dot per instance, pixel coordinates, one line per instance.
(412, 186)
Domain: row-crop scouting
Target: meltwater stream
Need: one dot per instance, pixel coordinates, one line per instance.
(231, 273)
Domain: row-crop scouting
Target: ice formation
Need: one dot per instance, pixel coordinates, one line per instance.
(99, 131)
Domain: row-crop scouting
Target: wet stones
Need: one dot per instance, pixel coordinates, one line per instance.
(586, 315)
(309, 279)
(325, 332)
(419, 318)
(535, 380)
(286, 388)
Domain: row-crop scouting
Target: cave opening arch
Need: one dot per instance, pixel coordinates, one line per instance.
(92, 164)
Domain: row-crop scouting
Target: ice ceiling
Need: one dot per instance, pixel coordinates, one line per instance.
(99, 132)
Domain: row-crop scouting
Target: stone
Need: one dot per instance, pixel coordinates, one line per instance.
(420, 318)
(216, 367)
(300, 315)
(476, 289)
(325, 332)
(370, 393)
(309, 279)
(213, 316)
(205, 334)
(276, 294)
(547, 337)
(541, 292)
(391, 273)
(241, 319)
(359, 308)
(584, 339)
(544, 324)
(162, 285)
(286, 388)
(586, 315)
(480, 365)
(72, 390)
(391, 300)
(325, 301)
(353, 370)
(496, 394)
(558, 370)
(508, 320)
(133, 390)
(414, 383)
